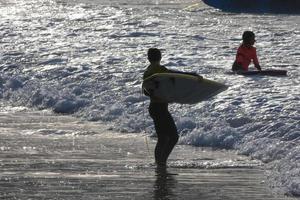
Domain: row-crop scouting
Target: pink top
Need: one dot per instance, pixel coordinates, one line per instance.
(246, 54)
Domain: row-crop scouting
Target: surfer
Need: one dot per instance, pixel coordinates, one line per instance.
(164, 124)
(246, 53)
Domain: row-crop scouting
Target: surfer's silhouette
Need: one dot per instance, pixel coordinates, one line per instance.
(164, 124)
(165, 127)
(246, 53)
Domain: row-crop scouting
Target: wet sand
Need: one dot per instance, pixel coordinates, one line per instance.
(44, 156)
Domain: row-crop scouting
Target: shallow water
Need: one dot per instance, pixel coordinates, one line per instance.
(87, 57)
(45, 156)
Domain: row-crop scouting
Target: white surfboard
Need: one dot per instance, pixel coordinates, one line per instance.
(181, 88)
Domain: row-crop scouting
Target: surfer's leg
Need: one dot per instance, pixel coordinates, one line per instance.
(162, 143)
(157, 114)
(166, 131)
(167, 135)
(171, 135)
(159, 151)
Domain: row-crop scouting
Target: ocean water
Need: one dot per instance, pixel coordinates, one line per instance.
(86, 58)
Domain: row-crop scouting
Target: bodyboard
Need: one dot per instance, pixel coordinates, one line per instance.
(181, 88)
(271, 72)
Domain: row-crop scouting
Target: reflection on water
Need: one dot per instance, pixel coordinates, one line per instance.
(164, 184)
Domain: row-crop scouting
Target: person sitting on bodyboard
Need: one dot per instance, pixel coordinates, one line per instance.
(246, 53)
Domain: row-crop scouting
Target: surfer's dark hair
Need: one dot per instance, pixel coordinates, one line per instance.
(154, 54)
(247, 36)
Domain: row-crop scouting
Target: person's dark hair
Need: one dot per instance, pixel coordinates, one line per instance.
(154, 55)
(247, 36)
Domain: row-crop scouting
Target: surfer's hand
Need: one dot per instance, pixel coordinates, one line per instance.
(147, 93)
(197, 75)
(194, 74)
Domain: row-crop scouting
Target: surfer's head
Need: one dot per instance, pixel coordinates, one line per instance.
(248, 38)
(154, 55)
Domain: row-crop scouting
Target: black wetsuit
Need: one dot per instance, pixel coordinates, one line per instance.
(166, 131)
(165, 127)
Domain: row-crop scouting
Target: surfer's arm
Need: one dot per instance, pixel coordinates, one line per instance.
(166, 70)
(255, 61)
(258, 67)
(188, 73)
